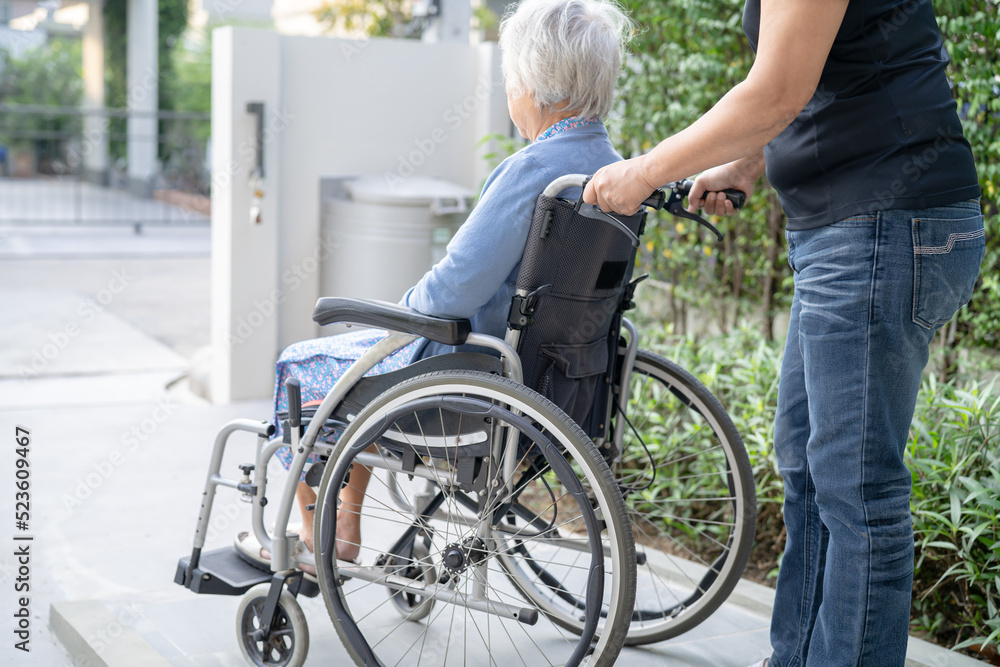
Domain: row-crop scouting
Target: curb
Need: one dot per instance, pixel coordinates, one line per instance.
(759, 599)
(95, 636)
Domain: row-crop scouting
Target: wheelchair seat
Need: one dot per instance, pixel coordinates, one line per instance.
(370, 387)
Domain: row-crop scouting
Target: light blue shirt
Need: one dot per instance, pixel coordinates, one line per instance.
(476, 278)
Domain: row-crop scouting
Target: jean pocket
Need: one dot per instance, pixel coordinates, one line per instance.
(946, 259)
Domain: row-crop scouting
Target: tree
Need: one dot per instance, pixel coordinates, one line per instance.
(47, 75)
(173, 17)
(374, 18)
(687, 55)
(173, 22)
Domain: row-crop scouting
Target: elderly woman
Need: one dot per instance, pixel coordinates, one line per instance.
(561, 61)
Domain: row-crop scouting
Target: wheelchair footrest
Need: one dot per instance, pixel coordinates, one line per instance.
(220, 572)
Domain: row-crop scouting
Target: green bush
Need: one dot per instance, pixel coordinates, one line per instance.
(953, 450)
(689, 53)
(972, 37)
(954, 453)
(44, 75)
(48, 75)
(741, 369)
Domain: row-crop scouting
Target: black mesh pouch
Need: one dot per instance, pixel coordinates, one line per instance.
(568, 350)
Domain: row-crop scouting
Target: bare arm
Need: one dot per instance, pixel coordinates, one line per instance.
(795, 41)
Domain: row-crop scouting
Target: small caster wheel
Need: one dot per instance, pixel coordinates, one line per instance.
(288, 643)
(409, 604)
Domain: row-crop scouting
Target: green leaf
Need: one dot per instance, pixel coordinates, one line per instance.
(941, 545)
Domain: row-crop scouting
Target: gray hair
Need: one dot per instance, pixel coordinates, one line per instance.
(565, 50)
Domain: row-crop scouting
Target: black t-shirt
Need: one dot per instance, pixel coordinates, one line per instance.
(881, 131)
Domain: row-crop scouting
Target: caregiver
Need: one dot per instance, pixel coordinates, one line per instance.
(848, 106)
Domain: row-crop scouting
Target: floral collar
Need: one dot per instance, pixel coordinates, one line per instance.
(568, 124)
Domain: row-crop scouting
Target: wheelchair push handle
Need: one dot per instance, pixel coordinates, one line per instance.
(683, 188)
(671, 198)
(660, 199)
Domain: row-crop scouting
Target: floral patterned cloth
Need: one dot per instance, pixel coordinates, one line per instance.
(568, 124)
(319, 363)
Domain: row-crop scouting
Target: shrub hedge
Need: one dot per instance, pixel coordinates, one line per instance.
(953, 451)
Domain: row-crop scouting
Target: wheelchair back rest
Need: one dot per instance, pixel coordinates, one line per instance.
(568, 351)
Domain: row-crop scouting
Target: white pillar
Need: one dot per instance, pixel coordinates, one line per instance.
(94, 149)
(142, 79)
(245, 294)
(453, 22)
(492, 117)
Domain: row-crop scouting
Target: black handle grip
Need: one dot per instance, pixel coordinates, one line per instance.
(737, 197)
(293, 388)
(656, 200)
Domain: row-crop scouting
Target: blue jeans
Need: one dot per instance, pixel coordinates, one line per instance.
(870, 291)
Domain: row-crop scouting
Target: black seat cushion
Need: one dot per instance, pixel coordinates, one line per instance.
(368, 388)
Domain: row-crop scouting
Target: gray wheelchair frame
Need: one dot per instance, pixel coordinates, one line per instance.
(222, 571)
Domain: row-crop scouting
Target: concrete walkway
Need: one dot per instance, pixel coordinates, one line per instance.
(93, 348)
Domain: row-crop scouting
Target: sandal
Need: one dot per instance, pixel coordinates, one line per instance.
(250, 549)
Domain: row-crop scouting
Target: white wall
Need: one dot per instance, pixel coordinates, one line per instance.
(254, 12)
(334, 106)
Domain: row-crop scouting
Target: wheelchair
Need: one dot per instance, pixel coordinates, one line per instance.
(544, 499)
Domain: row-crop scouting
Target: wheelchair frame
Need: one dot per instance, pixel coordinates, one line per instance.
(222, 580)
(222, 572)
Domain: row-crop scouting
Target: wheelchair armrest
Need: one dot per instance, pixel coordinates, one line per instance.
(384, 315)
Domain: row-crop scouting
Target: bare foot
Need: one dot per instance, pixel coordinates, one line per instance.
(306, 535)
(348, 537)
(305, 567)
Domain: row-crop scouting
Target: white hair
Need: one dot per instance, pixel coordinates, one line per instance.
(565, 51)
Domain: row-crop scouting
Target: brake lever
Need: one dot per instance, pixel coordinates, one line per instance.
(675, 207)
(670, 198)
(583, 187)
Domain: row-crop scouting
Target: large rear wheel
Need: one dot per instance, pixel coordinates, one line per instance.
(687, 481)
(491, 486)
